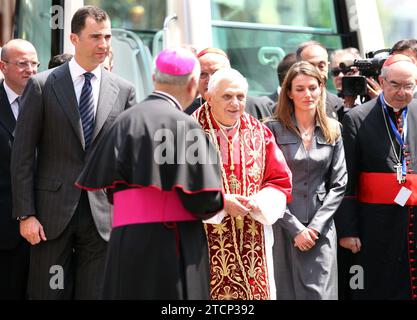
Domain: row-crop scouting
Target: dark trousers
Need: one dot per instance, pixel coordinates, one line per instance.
(72, 265)
(14, 267)
(345, 260)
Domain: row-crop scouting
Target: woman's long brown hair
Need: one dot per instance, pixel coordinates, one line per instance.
(285, 107)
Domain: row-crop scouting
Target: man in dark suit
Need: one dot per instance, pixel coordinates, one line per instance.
(282, 69)
(18, 62)
(66, 111)
(213, 59)
(315, 53)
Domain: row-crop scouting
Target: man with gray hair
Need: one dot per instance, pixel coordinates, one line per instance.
(377, 219)
(160, 190)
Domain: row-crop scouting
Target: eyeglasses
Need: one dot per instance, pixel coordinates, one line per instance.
(25, 64)
(319, 65)
(205, 75)
(409, 87)
(347, 72)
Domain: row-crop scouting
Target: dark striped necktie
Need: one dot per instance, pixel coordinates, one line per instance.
(18, 100)
(87, 109)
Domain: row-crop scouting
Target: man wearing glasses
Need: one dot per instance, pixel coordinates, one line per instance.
(377, 218)
(18, 62)
(346, 56)
(341, 62)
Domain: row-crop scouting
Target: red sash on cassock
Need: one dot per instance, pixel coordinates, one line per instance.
(382, 188)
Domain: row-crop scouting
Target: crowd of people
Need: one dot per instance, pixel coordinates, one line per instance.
(201, 191)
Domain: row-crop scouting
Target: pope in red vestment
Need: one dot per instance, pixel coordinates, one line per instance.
(257, 185)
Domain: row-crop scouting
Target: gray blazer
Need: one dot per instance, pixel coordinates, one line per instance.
(50, 128)
(315, 197)
(319, 182)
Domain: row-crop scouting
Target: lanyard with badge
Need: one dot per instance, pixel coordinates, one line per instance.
(401, 165)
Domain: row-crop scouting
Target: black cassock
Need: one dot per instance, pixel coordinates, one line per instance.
(387, 231)
(153, 148)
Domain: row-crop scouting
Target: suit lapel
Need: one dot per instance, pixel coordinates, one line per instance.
(107, 98)
(64, 90)
(7, 119)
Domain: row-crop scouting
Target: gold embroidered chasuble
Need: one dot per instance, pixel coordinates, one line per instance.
(238, 267)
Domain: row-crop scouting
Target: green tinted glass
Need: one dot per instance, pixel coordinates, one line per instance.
(257, 52)
(134, 14)
(257, 34)
(34, 25)
(299, 13)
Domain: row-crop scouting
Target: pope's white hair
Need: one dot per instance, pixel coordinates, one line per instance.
(226, 74)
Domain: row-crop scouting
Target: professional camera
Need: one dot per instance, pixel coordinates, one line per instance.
(372, 65)
(368, 68)
(353, 86)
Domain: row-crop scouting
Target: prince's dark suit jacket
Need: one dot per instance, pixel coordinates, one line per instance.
(50, 129)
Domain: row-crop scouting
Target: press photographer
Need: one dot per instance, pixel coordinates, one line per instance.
(355, 78)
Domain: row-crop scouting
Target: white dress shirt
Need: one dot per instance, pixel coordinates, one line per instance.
(77, 75)
(12, 96)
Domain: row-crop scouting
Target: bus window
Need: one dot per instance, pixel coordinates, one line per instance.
(132, 61)
(245, 54)
(144, 17)
(300, 13)
(257, 34)
(33, 24)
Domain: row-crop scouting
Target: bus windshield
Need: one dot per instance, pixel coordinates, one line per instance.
(144, 17)
(255, 34)
(33, 24)
(301, 13)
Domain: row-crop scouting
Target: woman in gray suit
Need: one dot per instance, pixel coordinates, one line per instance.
(305, 260)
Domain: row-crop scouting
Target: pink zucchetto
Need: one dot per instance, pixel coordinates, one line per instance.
(176, 62)
(394, 58)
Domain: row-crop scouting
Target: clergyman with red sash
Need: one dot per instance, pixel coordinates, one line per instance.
(377, 218)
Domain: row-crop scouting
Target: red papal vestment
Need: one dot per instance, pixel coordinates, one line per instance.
(241, 265)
